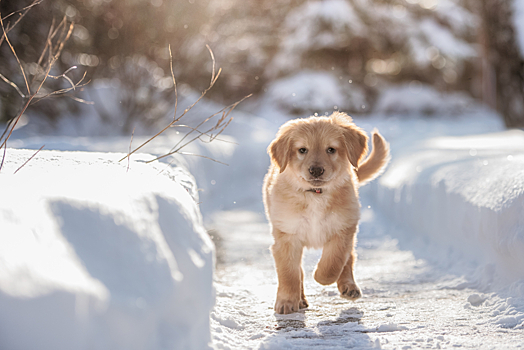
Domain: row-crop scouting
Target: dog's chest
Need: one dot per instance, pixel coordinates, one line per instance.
(314, 220)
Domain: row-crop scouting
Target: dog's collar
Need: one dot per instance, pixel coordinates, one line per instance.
(315, 190)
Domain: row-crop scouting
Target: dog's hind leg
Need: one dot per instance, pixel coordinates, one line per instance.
(335, 255)
(287, 252)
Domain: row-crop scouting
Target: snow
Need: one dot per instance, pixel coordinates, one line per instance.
(460, 20)
(390, 327)
(441, 38)
(439, 246)
(465, 192)
(446, 280)
(416, 98)
(315, 25)
(312, 91)
(93, 255)
(305, 26)
(459, 201)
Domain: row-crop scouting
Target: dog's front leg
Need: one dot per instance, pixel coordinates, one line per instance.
(287, 252)
(335, 255)
(346, 282)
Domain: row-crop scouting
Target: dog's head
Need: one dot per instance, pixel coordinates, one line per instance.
(318, 149)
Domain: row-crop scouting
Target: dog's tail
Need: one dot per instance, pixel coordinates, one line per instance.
(376, 162)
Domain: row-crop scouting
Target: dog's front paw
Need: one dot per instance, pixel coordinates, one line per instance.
(349, 291)
(303, 303)
(286, 306)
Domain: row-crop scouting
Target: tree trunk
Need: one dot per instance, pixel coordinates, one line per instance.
(504, 56)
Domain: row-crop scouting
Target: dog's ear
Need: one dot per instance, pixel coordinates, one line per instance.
(356, 145)
(355, 138)
(279, 148)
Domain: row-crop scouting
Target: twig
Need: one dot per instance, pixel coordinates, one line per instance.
(3, 157)
(196, 155)
(25, 9)
(63, 75)
(213, 60)
(213, 132)
(61, 43)
(47, 44)
(13, 85)
(203, 133)
(175, 120)
(27, 161)
(54, 54)
(81, 100)
(16, 56)
(130, 143)
(17, 119)
(66, 90)
(174, 80)
(177, 148)
(187, 154)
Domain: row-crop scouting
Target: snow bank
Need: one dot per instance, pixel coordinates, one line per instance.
(421, 99)
(308, 92)
(93, 255)
(467, 194)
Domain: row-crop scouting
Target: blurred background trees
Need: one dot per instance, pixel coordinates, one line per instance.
(353, 55)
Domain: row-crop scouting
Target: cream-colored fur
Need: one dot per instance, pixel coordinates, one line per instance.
(324, 155)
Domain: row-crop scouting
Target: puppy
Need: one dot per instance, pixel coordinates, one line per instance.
(311, 200)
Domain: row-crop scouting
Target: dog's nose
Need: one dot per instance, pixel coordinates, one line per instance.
(316, 171)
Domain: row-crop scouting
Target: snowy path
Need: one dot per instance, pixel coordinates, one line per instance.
(408, 303)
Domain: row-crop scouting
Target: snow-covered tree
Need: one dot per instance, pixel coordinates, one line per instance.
(371, 44)
(360, 48)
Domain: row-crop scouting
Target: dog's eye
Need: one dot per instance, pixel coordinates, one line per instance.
(331, 150)
(302, 150)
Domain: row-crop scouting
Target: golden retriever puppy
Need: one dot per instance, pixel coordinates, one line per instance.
(311, 200)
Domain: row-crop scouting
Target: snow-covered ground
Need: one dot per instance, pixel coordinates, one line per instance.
(440, 254)
(466, 193)
(97, 254)
(439, 247)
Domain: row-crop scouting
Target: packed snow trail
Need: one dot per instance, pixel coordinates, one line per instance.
(407, 303)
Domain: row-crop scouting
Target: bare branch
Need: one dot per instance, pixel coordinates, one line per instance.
(3, 157)
(80, 100)
(63, 75)
(13, 85)
(47, 44)
(230, 108)
(213, 81)
(174, 81)
(74, 86)
(17, 119)
(213, 60)
(27, 161)
(25, 10)
(54, 54)
(16, 56)
(193, 154)
(202, 133)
